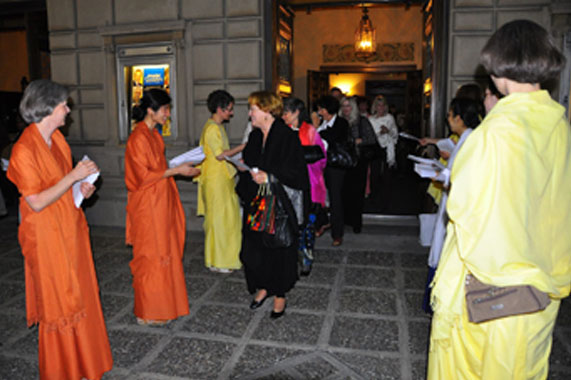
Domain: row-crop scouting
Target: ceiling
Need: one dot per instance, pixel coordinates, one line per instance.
(314, 4)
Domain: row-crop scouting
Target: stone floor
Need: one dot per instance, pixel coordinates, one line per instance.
(357, 316)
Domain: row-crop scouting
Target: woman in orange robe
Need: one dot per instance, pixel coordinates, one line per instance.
(62, 294)
(155, 218)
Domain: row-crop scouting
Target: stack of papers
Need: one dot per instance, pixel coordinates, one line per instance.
(195, 156)
(426, 167)
(446, 145)
(77, 196)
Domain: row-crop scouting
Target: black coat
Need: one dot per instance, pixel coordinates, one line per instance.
(338, 132)
(281, 156)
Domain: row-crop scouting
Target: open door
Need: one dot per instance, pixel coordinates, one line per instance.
(317, 85)
(279, 33)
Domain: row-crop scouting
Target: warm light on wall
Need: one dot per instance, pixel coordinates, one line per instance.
(427, 86)
(347, 87)
(365, 37)
(284, 88)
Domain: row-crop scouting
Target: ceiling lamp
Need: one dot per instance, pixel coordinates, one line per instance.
(365, 37)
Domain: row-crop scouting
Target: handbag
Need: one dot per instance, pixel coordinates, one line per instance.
(312, 153)
(285, 225)
(342, 155)
(487, 302)
(261, 214)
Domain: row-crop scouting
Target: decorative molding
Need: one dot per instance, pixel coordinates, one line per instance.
(395, 52)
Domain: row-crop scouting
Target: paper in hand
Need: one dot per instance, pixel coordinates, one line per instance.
(409, 136)
(426, 167)
(446, 145)
(236, 162)
(427, 161)
(77, 195)
(195, 155)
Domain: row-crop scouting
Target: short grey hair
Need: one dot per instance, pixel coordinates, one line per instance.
(40, 98)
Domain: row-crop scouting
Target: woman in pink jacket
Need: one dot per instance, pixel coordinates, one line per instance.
(296, 116)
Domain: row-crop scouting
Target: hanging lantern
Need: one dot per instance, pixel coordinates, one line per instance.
(365, 38)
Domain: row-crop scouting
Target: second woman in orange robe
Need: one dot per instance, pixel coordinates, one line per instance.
(155, 224)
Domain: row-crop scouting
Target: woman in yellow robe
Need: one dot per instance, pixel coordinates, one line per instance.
(509, 217)
(217, 200)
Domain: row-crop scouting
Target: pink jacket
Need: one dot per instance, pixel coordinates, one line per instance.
(309, 136)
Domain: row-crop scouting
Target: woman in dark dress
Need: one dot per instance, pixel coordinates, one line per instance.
(356, 178)
(275, 154)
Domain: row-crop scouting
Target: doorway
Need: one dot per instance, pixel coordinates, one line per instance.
(400, 70)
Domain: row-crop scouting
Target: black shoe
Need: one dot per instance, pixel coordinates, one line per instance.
(357, 230)
(278, 314)
(256, 304)
(305, 270)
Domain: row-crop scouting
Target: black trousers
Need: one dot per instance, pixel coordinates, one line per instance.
(354, 193)
(334, 179)
(381, 182)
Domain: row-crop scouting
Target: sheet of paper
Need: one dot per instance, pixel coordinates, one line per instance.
(446, 145)
(408, 136)
(427, 161)
(236, 162)
(426, 170)
(195, 155)
(77, 196)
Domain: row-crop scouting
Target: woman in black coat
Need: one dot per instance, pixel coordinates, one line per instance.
(275, 151)
(356, 178)
(334, 129)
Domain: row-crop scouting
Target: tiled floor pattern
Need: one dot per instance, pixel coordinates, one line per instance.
(357, 316)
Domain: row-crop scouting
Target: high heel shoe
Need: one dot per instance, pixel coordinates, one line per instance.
(256, 304)
(278, 314)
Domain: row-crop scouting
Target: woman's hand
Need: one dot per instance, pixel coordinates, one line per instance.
(444, 154)
(428, 140)
(86, 189)
(44, 198)
(83, 169)
(259, 176)
(358, 141)
(186, 169)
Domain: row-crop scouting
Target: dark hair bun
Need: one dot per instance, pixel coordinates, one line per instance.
(138, 113)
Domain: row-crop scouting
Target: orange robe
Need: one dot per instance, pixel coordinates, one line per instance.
(155, 228)
(62, 294)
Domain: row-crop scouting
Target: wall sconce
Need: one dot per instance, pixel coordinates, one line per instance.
(365, 37)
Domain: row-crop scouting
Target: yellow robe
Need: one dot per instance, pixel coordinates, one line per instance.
(509, 224)
(218, 202)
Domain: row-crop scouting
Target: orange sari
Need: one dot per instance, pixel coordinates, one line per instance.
(155, 228)
(62, 293)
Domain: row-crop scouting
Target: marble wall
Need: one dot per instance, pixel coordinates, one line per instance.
(217, 43)
(471, 24)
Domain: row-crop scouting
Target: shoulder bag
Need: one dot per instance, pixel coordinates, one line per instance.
(342, 155)
(285, 222)
(487, 302)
